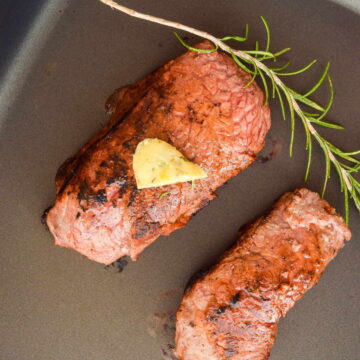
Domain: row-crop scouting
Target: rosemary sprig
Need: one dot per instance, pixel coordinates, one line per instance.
(252, 61)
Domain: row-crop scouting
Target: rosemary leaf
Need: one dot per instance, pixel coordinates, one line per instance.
(241, 65)
(353, 153)
(267, 28)
(273, 85)
(257, 47)
(252, 78)
(326, 110)
(281, 52)
(320, 81)
(326, 124)
(266, 54)
(202, 51)
(282, 67)
(327, 168)
(281, 102)
(346, 205)
(266, 88)
(306, 101)
(342, 154)
(238, 38)
(292, 120)
(310, 115)
(307, 67)
(309, 160)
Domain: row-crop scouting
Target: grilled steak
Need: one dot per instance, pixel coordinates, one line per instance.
(198, 104)
(232, 312)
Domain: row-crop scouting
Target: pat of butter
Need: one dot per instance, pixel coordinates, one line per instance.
(157, 163)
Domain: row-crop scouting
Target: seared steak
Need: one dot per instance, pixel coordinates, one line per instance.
(232, 312)
(198, 104)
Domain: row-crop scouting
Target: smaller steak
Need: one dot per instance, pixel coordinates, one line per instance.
(232, 312)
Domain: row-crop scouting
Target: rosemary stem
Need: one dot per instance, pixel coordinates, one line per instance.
(292, 97)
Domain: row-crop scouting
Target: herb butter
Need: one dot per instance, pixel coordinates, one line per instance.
(157, 163)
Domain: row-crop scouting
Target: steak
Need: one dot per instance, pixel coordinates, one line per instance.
(232, 312)
(197, 103)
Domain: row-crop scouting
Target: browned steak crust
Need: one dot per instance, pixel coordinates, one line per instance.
(197, 103)
(232, 312)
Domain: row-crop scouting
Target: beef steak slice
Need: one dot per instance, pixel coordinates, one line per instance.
(198, 104)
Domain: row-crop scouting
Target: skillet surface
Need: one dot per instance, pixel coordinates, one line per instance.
(60, 60)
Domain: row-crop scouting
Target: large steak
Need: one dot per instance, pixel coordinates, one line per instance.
(198, 104)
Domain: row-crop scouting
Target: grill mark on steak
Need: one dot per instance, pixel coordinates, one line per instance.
(133, 193)
(118, 171)
(78, 161)
(193, 115)
(100, 196)
(84, 190)
(235, 307)
(86, 194)
(235, 298)
(125, 99)
(213, 120)
(143, 228)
